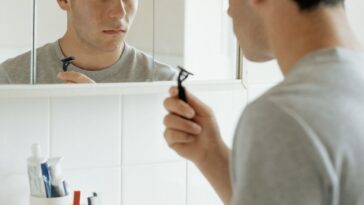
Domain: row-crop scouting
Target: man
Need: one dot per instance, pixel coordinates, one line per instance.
(302, 142)
(95, 36)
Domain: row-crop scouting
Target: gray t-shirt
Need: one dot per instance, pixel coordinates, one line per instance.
(302, 143)
(133, 66)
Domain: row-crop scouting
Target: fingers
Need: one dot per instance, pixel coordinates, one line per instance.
(174, 105)
(175, 122)
(198, 106)
(74, 77)
(174, 137)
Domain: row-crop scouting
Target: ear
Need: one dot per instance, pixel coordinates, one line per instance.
(64, 4)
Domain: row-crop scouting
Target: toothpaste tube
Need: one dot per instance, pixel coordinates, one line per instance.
(58, 184)
(36, 168)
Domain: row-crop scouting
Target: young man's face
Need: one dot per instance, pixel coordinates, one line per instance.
(249, 30)
(101, 24)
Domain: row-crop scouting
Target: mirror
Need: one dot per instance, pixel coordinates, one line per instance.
(15, 40)
(94, 32)
(159, 36)
(197, 35)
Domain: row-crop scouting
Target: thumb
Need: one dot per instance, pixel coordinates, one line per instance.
(200, 108)
(75, 77)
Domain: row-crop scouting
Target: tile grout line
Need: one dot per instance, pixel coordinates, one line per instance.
(50, 114)
(187, 195)
(122, 151)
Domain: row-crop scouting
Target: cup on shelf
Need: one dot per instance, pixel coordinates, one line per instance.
(66, 200)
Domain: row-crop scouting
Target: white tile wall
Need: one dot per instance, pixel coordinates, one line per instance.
(113, 145)
(199, 189)
(227, 107)
(14, 190)
(86, 130)
(143, 130)
(158, 184)
(22, 122)
(105, 181)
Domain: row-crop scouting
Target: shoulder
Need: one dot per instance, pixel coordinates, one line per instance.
(274, 147)
(17, 68)
(148, 65)
(164, 72)
(264, 116)
(281, 109)
(22, 59)
(274, 126)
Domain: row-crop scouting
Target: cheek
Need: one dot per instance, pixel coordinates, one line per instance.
(238, 25)
(82, 14)
(236, 28)
(131, 11)
(92, 11)
(85, 24)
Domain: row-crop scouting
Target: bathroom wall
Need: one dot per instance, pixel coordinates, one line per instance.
(16, 30)
(112, 141)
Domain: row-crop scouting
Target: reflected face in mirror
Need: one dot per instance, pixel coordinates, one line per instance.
(95, 38)
(96, 32)
(99, 24)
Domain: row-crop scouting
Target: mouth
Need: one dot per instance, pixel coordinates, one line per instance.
(114, 31)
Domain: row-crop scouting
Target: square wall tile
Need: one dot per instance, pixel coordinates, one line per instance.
(199, 189)
(14, 190)
(23, 122)
(158, 184)
(227, 107)
(143, 130)
(86, 131)
(105, 181)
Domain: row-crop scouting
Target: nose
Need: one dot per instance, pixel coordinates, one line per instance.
(229, 11)
(118, 9)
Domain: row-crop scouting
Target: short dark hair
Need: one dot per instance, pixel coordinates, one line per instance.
(306, 5)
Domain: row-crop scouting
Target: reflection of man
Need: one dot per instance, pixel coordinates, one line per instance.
(95, 36)
(302, 142)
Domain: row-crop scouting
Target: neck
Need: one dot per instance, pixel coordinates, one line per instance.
(319, 29)
(88, 57)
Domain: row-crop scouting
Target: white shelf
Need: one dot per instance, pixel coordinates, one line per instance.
(69, 90)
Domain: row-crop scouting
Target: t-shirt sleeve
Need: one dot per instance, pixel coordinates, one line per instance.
(275, 162)
(164, 73)
(4, 78)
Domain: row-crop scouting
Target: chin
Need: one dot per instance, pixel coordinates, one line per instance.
(113, 46)
(258, 57)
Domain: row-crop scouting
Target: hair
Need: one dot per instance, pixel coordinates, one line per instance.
(306, 5)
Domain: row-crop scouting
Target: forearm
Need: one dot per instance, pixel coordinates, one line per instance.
(216, 171)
